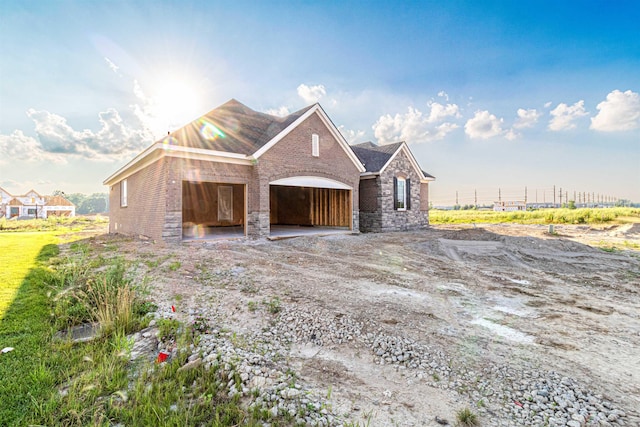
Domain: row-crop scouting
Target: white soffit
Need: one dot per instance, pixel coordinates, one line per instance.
(310, 181)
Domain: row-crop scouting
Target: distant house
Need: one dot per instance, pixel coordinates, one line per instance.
(236, 171)
(510, 206)
(394, 190)
(33, 205)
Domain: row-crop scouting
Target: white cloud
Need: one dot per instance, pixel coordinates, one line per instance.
(440, 112)
(483, 125)
(114, 139)
(443, 94)
(548, 104)
(311, 94)
(280, 111)
(526, 118)
(619, 112)
(416, 127)
(20, 147)
(350, 135)
(111, 65)
(564, 115)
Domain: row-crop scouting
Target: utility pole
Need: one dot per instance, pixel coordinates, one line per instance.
(566, 196)
(499, 195)
(525, 196)
(456, 198)
(560, 196)
(475, 198)
(554, 196)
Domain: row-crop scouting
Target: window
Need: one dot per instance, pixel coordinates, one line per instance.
(315, 145)
(123, 193)
(31, 211)
(401, 194)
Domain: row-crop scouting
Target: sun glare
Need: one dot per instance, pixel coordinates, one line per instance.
(176, 102)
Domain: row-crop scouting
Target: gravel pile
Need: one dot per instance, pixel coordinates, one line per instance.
(509, 396)
(255, 368)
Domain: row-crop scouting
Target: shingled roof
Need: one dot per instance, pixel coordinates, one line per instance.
(233, 128)
(374, 157)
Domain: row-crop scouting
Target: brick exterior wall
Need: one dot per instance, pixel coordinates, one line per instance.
(292, 156)
(386, 218)
(424, 197)
(144, 214)
(180, 170)
(370, 205)
(155, 193)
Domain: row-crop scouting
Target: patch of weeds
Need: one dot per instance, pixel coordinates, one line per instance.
(466, 417)
(252, 306)
(168, 330)
(110, 247)
(273, 305)
(239, 341)
(81, 248)
(204, 275)
(247, 286)
(178, 297)
(481, 403)
(292, 377)
(435, 377)
(122, 345)
(143, 308)
(200, 325)
(175, 266)
(631, 245)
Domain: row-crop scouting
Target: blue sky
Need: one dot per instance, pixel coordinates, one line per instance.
(489, 94)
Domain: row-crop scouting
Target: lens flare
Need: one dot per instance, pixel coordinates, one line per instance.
(209, 131)
(168, 142)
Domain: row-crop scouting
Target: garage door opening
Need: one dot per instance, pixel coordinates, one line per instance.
(308, 210)
(213, 210)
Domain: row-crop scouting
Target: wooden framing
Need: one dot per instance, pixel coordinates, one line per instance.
(331, 207)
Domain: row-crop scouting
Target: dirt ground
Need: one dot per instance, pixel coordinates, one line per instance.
(492, 297)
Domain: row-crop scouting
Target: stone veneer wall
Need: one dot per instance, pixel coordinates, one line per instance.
(411, 219)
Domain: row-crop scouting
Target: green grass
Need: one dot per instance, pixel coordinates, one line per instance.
(54, 223)
(18, 255)
(49, 380)
(465, 417)
(542, 216)
(25, 372)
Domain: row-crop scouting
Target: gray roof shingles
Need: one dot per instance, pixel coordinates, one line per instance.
(374, 157)
(233, 128)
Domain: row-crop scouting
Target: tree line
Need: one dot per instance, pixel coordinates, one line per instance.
(96, 203)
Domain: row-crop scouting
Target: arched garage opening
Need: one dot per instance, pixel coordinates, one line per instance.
(309, 202)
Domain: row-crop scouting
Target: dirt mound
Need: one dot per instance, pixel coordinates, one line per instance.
(627, 230)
